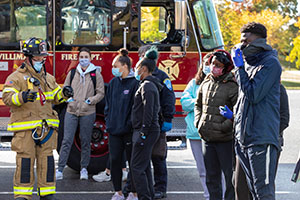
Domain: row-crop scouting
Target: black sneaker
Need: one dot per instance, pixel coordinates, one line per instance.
(160, 195)
(48, 197)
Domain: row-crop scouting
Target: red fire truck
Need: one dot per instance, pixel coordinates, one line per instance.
(182, 30)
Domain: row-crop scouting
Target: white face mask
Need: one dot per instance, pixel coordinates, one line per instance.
(84, 62)
(206, 69)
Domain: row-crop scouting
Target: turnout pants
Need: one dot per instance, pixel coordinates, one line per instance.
(27, 154)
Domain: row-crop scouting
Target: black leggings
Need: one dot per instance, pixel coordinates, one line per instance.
(117, 145)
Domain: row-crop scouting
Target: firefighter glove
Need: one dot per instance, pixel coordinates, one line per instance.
(29, 96)
(68, 91)
(237, 56)
(166, 126)
(226, 112)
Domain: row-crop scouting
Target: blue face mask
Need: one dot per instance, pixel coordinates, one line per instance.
(84, 62)
(116, 72)
(38, 66)
(136, 75)
(206, 69)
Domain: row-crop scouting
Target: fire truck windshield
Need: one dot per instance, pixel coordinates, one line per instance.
(86, 22)
(21, 18)
(207, 23)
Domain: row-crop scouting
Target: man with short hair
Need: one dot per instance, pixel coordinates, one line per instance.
(257, 115)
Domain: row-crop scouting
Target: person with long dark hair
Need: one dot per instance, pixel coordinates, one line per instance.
(81, 110)
(218, 89)
(188, 103)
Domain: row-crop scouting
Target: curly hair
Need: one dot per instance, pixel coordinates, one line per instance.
(255, 28)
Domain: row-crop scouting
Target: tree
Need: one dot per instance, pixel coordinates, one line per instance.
(295, 53)
(233, 16)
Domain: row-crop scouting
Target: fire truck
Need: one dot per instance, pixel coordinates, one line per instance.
(182, 30)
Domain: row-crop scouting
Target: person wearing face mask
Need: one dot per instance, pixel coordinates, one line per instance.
(118, 104)
(167, 110)
(257, 114)
(81, 110)
(188, 103)
(30, 93)
(145, 122)
(218, 89)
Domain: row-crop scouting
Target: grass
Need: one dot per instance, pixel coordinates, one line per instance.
(290, 85)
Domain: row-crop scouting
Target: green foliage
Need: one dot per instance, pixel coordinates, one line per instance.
(291, 85)
(295, 52)
(232, 16)
(150, 25)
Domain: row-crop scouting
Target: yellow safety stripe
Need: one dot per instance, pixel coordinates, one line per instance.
(23, 190)
(10, 89)
(50, 95)
(15, 99)
(17, 126)
(56, 90)
(46, 191)
(53, 122)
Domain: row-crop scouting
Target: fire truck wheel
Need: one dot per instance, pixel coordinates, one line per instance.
(99, 145)
(97, 164)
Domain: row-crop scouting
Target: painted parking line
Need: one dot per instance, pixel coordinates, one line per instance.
(169, 167)
(111, 192)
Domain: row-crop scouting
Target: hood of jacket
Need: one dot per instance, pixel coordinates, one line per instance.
(155, 81)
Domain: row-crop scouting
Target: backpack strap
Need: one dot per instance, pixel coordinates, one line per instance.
(93, 77)
(92, 74)
(72, 75)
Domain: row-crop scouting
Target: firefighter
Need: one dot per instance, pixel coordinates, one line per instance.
(30, 92)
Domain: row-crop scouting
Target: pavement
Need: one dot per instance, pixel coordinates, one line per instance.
(183, 178)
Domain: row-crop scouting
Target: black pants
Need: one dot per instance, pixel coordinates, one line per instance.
(140, 164)
(218, 158)
(160, 169)
(241, 187)
(259, 165)
(117, 145)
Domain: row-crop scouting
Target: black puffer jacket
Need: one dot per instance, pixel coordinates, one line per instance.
(215, 92)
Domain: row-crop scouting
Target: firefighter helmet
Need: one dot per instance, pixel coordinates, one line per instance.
(34, 47)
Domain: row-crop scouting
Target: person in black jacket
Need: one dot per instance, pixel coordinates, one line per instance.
(145, 122)
(167, 103)
(118, 104)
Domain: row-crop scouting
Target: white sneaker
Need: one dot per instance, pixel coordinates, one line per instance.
(131, 197)
(84, 174)
(118, 197)
(59, 175)
(102, 177)
(124, 175)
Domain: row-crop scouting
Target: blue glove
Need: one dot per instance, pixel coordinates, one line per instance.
(141, 139)
(88, 101)
(226, 112)
(167, 126)
(237, 56)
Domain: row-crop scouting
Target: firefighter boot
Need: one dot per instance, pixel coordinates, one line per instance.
(48, 197)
